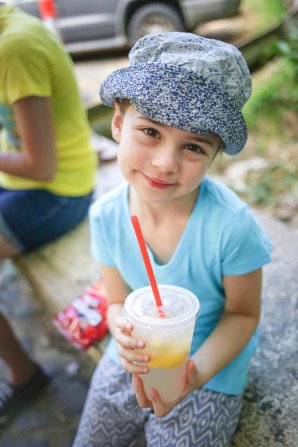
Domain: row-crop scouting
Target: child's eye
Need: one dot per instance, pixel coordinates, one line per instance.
(151, 132)
(195, 149)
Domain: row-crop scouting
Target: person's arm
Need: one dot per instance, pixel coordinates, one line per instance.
(232, 333)
(235, 327)
(37, 161)
(117, 290)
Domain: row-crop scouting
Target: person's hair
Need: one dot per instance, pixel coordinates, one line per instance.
(124, 104)
(221, 146)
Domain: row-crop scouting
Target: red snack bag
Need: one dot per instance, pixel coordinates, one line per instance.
(84, 321)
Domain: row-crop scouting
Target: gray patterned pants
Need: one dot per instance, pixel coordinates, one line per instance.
(113, 418)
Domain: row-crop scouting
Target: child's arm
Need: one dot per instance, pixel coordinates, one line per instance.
(119, 327)
(235, 327)
(37, 161)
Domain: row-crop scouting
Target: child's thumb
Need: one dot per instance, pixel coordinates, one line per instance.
(191, 371)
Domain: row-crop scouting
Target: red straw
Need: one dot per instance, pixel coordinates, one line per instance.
(138, 231)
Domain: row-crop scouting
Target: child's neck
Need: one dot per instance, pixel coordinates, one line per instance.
(162, 224)
(159, 212)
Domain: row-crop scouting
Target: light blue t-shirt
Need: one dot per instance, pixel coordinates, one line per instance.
(221, 238)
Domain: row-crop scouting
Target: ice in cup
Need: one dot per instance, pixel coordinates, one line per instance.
(167, 339)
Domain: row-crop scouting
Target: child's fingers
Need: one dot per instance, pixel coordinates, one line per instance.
(141, 396)
(123, 334)
(191, 370)
(133, 368)
(126, 340)
(191, 376)
(160, 407)
(132, 355)
(123, 324)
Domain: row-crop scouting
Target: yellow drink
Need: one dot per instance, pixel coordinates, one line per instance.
(167, 356)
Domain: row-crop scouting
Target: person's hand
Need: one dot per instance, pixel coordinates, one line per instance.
(161, 408)
(129, 348)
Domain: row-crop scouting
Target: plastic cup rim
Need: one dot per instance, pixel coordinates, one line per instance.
(162, 323)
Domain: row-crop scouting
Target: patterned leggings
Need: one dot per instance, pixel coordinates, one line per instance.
(112, 417)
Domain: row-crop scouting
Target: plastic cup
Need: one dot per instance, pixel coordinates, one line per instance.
(167, 339)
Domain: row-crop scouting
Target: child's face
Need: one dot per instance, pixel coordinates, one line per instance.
(159, 161)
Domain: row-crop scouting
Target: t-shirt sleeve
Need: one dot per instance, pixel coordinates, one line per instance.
(100, 246)
(245, 245)
(26, 69)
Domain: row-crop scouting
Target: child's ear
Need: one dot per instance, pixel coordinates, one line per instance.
(117, 122)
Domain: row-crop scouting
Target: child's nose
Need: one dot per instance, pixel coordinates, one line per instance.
(166, 159)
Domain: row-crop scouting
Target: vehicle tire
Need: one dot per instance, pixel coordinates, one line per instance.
(153, 19)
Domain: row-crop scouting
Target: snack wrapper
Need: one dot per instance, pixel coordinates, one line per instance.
(84, 321)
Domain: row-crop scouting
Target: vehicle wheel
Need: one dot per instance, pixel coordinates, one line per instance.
(153, 19)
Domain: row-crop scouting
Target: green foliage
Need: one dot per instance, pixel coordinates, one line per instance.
(288, 48)
(278, 94)
(266, 12)
(272, 98)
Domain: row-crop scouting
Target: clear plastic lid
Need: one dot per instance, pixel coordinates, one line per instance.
(180, 307)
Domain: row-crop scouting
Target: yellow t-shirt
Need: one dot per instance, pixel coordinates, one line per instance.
(34, 62)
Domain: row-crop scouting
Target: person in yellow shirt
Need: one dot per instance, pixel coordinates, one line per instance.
(47, 166)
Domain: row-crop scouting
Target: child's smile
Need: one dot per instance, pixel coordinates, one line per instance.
(157, 183)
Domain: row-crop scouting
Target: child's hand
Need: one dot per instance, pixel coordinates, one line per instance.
(161, 408)
(126, 347)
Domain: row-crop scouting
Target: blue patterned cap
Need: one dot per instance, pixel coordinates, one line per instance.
(186, 81)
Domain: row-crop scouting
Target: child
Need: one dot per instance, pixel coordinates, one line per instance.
(176, 105)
